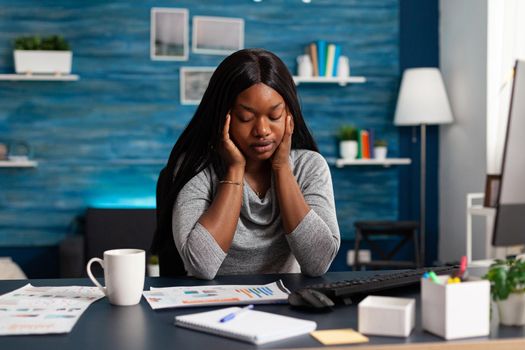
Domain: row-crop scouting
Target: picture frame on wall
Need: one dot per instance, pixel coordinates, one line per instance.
(217, 35)
(492, 188)
(169, 34)
(193, 83)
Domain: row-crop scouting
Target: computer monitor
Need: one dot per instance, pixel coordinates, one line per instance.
(509, 224)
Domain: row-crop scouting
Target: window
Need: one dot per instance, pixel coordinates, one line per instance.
(506, 43)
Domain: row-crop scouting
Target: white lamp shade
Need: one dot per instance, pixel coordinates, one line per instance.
(422, 98)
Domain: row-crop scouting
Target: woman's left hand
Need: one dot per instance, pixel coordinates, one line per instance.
(280, 158)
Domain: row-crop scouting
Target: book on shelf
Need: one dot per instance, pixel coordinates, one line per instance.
(365, 148)
(312, 50)
(325, 58)
(321, 56)
(330, 54)
(337, 54)
(365, 143)
(359, 145)
(371, 140)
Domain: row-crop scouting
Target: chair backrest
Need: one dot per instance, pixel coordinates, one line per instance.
(170, 262)
(111, 228)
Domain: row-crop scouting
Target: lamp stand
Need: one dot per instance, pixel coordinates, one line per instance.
(422, 194)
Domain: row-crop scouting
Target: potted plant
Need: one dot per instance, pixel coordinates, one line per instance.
(348, 141)
(507, 287)
(153, 266)
(48, 55)
(380, 149)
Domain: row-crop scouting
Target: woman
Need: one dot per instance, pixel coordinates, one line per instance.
(245, 189)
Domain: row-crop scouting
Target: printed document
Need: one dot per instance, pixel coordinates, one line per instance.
(173, 297)
(44, 310)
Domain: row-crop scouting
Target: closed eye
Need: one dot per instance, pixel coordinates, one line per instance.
(276, 117)
(244, 118)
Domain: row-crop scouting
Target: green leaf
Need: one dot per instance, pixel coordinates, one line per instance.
(53, 42)
(347, 132)
(506, 276)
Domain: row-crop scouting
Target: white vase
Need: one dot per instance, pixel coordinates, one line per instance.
(343, 67)
(153, 270)
(512, 310)
(348, 149)
(304, 66)
(380, 152)
(42, 62)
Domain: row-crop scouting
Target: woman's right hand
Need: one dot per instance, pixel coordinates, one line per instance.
(229, 151)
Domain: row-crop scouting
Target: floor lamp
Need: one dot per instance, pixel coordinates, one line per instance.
(422, 101)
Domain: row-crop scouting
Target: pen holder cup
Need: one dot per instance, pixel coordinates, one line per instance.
(458, 310)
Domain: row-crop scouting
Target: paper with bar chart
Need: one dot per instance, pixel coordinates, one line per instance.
(44, 310)
(177, 297)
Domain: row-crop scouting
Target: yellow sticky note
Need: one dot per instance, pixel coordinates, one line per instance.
(339, 336)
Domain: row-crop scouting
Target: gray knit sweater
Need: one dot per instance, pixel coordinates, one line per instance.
(260, 244)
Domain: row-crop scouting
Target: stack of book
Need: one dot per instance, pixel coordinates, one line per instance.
(325, 58)
(365, 144)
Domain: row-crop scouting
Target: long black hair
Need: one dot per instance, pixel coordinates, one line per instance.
(197, 146)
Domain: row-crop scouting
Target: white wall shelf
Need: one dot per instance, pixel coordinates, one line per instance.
(329, 80)
(138, 161)
(39, 77)
(384, 162)
(18, 164)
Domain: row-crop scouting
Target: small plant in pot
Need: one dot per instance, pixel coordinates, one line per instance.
(153, 266)
(507, 287)
(380, 149)
(47, 55)
(348, 141)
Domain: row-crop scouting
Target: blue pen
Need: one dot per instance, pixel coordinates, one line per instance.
(232, 315)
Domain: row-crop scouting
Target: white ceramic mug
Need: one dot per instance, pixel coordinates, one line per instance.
(124, 271)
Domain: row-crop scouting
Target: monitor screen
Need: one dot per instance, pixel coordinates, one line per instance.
(509, 225)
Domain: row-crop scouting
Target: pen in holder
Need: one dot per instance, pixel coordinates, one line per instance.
(455, 310)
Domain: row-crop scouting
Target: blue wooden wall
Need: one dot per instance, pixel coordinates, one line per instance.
(419, 47)
(102, 140)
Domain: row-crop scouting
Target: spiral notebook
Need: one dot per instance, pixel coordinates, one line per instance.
(252, 326)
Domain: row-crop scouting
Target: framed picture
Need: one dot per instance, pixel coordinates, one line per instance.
(492, 187)
(217, 35)
(193, 83)
(169, 34)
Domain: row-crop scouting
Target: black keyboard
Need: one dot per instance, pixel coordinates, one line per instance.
(342, 290)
